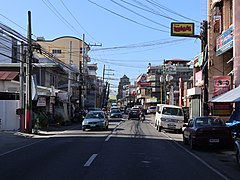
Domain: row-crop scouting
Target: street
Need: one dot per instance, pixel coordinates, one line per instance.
(128, 150)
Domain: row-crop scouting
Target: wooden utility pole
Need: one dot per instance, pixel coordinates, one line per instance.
(28, 106)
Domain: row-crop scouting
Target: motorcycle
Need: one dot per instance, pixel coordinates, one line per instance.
(142, 116)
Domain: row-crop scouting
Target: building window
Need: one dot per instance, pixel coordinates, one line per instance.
(57, 51)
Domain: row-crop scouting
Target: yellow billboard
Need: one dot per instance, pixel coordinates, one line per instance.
(182, 29)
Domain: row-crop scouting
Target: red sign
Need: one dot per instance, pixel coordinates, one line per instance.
(198, 79)
(221, 84)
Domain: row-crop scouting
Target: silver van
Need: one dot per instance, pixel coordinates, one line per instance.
(169, 117)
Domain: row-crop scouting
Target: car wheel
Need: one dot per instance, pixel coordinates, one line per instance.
(185, 141)
(192, 143)
(83, 129)
(237, 155)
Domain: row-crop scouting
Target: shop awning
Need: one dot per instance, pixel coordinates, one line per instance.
(230, 96)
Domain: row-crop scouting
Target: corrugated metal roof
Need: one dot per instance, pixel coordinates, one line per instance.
(230, 96)
(8, 75)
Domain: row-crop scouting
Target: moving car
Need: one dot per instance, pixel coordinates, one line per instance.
(151, 110)
(115, 113)
(134, 114)
(95, 120)
(207, 130)
(169, 117)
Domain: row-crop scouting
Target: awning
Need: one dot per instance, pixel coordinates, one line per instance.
(6, 76)
(230, 96)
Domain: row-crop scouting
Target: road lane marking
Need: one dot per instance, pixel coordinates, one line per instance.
(90, 160)
(107, 139)
(198, 158)
(22, 147)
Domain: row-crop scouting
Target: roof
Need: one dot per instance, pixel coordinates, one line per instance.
(8, 75)
(230, 96)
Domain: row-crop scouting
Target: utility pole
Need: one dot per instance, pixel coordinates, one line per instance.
(69, 81)
(28, 106)
(204, 42)
(21, 93)
(80, 85)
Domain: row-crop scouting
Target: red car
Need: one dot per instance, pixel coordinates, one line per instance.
(207, 130)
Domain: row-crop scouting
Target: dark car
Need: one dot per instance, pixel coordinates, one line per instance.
(116, 113)
(207, 130)
(234, 125)
(237, 150)
(134, 114)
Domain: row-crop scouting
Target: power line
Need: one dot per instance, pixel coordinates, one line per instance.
(127, 18)
(60, 17)
(142, 45)
(157, 4)
(150, 11)
(77, 20)
(140, 15)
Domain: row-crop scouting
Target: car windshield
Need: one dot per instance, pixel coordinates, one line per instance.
(115, 111)
(209, 121)
(94, 115)
(172, 111)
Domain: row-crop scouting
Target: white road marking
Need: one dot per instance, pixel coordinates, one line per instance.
(107, 139)
(198, 158)
(90, 160)
(13, 150)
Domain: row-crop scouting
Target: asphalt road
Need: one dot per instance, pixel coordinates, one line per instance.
(128, 150)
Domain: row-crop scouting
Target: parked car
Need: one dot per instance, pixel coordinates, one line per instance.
(234, 125)
(95, 120)
(237, 150)
(207, 130)
(134, 114)
(115, 113)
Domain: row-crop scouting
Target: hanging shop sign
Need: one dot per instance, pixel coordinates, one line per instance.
(198, 79)
(142, 81)
(224, 42)
(221, 84)
(182, 29)
(41, 101)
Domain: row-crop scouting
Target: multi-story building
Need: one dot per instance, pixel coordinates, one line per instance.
(124, 81)
(166, 81)
(72, 51)
(223, 54)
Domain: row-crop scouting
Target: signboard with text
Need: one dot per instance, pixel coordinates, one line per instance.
(221, 84)
(182, 29)
(224, 42)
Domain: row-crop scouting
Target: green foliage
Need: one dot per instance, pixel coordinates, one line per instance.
(59, 119)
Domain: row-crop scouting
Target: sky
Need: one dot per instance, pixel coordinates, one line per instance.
(124, 35)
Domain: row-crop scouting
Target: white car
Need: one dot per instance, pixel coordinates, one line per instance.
(95, 120)
(151, 110)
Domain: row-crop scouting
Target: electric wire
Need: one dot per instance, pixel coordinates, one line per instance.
(150, 11)
(140, 15)
(126, 18)
(77, 21)
(60, 17)
(157, 4)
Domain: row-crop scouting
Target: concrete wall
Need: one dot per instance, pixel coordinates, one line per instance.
(9, 119)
